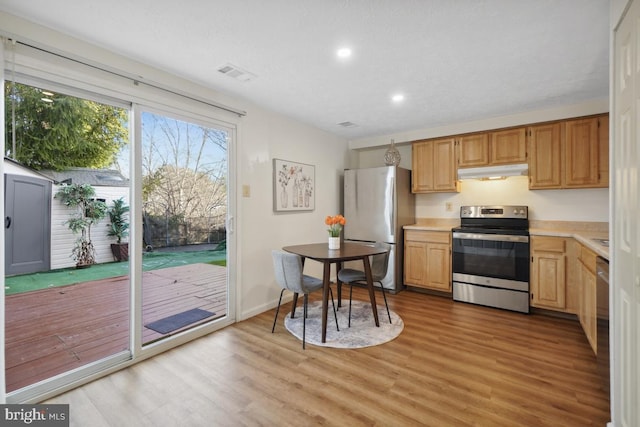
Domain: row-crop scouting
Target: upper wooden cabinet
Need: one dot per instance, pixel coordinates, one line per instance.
(508, 146)
(433, 166)
(581, 152)
(545, 156)
(569, 154)
(492, 148)
(473, 150)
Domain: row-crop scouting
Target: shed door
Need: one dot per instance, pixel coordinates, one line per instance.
(27, 245)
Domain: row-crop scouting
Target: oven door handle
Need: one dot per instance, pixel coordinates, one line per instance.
(492, 237)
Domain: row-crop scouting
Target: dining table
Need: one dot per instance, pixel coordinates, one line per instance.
(348, 251)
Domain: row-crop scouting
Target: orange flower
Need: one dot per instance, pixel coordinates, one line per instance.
(335, 224)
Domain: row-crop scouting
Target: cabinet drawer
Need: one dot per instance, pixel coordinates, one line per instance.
(548, 244)
(427, 236)
(588, 258)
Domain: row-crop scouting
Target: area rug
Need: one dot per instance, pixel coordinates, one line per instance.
(177, 321)
(362, 333)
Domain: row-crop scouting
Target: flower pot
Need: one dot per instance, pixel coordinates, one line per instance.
(120, 251)
(334, 243)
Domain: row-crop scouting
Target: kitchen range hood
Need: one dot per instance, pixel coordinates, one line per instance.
(493, 172)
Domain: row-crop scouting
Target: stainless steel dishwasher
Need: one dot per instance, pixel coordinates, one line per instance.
(602, 298)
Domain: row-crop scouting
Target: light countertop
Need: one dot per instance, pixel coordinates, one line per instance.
(583, 234)
(584, 237)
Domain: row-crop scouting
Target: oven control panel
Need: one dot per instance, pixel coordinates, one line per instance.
(506, 211)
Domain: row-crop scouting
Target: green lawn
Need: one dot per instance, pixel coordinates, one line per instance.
(69, 276)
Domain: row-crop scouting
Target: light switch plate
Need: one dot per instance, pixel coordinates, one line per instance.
(246, 191)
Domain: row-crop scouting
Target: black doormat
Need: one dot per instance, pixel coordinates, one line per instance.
(177, 321)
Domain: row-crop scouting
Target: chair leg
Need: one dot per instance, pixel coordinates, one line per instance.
(350, 297)
(304, 320)
(334, 309)
(277, 310)
(385, 301)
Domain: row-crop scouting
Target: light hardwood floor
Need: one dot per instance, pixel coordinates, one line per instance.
(454, 364)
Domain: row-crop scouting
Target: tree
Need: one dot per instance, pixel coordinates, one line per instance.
(184, 168)
(88, 212)
(181, 192)
(61, 131)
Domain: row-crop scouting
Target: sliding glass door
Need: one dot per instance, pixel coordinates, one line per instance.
(117, 240)
(67, 297)
(184, 192)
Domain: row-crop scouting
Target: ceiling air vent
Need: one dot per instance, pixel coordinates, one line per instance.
(347, 124)
(236, 72)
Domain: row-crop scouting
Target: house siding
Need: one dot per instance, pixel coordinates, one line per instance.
(63, 241)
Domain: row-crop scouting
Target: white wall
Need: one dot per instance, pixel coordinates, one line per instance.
(558, 205)
(265, 136)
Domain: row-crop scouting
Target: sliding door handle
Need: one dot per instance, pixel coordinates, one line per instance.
(7, 222)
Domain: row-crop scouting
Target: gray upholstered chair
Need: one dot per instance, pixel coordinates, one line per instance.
(288, 271)
(379, 267)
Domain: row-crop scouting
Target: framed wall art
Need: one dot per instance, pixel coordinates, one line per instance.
(293, 186)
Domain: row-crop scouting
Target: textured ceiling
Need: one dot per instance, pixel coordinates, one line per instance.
(455, 60)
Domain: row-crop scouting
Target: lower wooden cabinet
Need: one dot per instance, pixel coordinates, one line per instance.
(427, 259)
(587, 313)
(563, 278)
(548, 272)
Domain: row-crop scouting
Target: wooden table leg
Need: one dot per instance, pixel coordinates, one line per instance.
(339, 283)
(325, 298)
(372, 294)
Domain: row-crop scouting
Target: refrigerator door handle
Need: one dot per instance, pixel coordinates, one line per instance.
(392, 211)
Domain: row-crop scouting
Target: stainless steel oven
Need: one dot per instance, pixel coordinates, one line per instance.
(490, 257)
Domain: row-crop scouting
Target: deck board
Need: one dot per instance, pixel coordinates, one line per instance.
(53, 330)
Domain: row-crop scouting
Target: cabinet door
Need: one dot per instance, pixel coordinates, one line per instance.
(444, 165)
(581, 153)
(422, 162)
(548, 272)
(548, 280)
(438, 267)
(588, 305)
(415, 261)
(508, 146)
(473, 150)
(591, 310)
(603, 151)
(545, 156)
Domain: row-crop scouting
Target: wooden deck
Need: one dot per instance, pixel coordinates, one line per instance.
(54, 330)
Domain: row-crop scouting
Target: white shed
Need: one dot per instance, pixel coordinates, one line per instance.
(40, 241)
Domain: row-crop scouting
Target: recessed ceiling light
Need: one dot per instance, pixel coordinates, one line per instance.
(344, 52)
(397, 97)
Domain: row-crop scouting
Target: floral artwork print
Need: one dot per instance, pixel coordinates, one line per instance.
(293, 186)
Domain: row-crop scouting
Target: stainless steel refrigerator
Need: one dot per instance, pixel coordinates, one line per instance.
(377, 203)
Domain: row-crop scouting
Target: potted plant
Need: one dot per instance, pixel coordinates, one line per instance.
(88, 212)
(118, 228)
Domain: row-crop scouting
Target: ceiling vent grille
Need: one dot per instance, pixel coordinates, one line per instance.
(236, 72)
(347, 124)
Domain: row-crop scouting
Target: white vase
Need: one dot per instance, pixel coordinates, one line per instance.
(334, 243)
